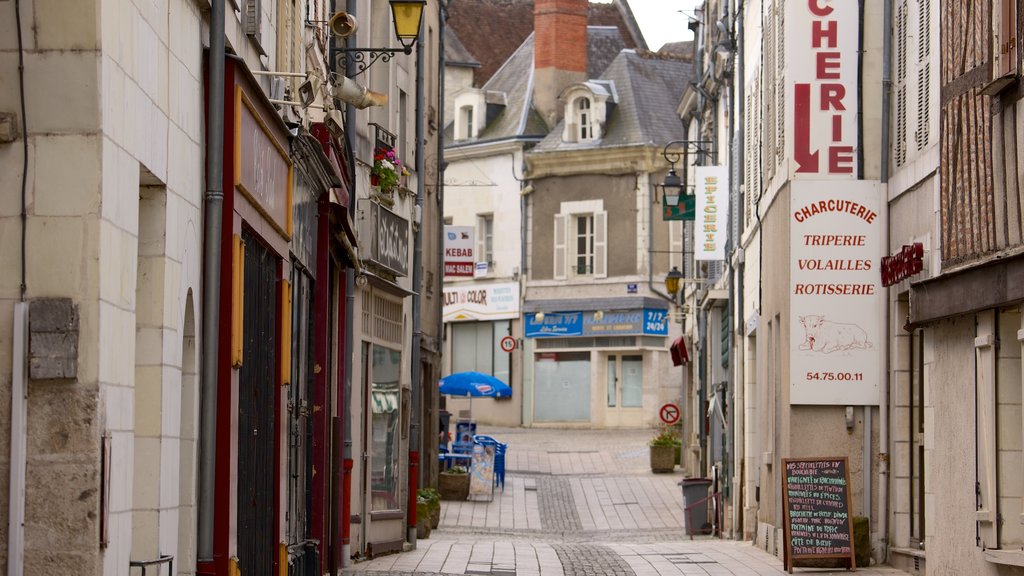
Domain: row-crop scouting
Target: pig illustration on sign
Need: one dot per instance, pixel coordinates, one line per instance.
(826, 336)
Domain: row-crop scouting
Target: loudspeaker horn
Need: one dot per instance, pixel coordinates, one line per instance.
(342, 25)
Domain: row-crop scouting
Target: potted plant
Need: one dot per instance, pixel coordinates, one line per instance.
(433, 499)
(422, 517)
(663, 449)
(387, 169)
(453, 483)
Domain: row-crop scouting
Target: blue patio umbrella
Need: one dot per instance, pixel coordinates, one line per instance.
(474, 384)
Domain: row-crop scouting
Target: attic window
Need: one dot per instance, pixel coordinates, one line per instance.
(584, 119)
(466, 112)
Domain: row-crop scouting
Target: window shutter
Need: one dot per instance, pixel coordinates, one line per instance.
(600, 245)
(924, 74)
(768, 111)
(1005, 43)
(251, 21)
(985, 387)
(560, 241)
(480, 249)
(899, 149)
(780, 79)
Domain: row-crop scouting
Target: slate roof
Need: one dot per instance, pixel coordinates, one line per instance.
(683, 49)
(456, 54)
(648, 87)
(492, 30)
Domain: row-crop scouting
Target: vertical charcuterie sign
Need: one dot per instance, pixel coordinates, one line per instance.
(837, 302)
(821, 90)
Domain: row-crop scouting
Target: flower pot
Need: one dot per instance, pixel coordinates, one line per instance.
(435, 514)
(453, 486)
(663, 458)
(374, 180)
(422, 520)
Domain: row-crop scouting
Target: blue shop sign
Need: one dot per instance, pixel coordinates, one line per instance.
(555, 325)
(646, 321)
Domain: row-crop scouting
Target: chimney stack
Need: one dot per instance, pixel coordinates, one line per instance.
(559, 52)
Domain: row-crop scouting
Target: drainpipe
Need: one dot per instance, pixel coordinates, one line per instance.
(739, 407)
(441, 163)
(346, 496)
(19, 377)
(866, 448)
(883, 416)
(442, 10)
(417, 289)
(214, 207)
(351, 6)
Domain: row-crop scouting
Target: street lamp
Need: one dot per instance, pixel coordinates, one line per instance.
(673, 187)
(672, 282)
(408, 17)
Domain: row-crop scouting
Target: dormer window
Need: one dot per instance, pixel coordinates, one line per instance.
(584, 119)
(467, 122)
(587, 106)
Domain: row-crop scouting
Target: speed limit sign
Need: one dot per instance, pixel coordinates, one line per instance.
(670, 413)
(508, 344)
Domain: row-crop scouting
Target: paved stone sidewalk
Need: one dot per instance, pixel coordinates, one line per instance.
(578, 503)
(475, 556)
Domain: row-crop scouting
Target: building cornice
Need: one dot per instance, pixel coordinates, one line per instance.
(611, 160)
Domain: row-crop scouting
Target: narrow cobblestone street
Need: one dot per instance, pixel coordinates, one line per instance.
(578, 503)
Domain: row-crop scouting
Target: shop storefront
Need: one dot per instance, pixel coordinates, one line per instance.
(483, 336)
(599, 363)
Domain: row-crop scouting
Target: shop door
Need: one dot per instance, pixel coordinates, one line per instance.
(562, 382)
(301, 545)
(256, 402)
(625, 381)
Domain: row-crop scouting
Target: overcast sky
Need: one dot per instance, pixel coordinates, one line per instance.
(662, 21)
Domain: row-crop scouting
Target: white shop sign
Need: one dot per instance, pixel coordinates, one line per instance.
(822, 47)
(481, 302)
(711, 224)
(837, 302)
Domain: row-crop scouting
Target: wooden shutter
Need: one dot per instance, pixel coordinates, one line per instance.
(985, 389)
(924, 74)
(560, 244)
(1005, 42)
(899, 149)
(600, 245)
(251, 19)
(479, 250)
(780, 79)
(768, 111)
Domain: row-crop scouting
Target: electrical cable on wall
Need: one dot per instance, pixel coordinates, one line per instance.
(24, 142)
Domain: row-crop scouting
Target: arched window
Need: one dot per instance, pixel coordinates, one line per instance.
(584, 118)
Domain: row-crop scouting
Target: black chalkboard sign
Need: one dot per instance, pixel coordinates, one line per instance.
(816, 501)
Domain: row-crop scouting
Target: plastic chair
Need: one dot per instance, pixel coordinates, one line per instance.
(499, 457)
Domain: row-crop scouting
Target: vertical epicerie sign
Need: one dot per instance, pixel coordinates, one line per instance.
(711, 222)
(821, 95)
(837, 303)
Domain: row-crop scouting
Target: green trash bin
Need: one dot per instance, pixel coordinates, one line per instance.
(695, 505)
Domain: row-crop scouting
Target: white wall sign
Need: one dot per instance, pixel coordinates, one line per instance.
(711, 224)
(821, 89)
(837, 303)
(458, 251)
(481, 302)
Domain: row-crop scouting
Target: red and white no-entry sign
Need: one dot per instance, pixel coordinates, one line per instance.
(508, 344)
(670, 413)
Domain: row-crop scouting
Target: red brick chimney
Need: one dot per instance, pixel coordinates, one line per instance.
(559, 52)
